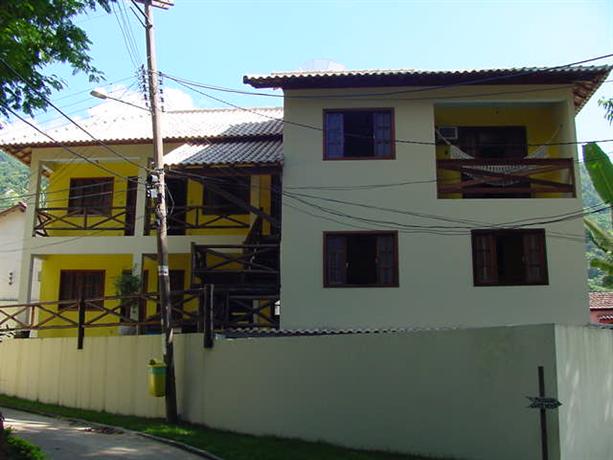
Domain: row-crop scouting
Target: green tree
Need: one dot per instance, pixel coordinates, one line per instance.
(33, 35)
(607, 105)
(600, 170)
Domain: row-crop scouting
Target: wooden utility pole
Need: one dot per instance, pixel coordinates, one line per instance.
(160, 210)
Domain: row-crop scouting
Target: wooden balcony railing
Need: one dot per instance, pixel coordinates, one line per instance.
(183, 218)
(506, 178)
(113, 219)
(192, 310)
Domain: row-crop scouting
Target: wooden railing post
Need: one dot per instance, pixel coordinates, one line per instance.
(201, 303)
(81, 322)
(208, 316)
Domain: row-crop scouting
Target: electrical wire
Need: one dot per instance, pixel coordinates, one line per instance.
(286, 122)
(475, 81)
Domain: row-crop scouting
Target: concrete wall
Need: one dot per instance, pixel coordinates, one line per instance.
(585, 387)
(450, 393)
(435, 271)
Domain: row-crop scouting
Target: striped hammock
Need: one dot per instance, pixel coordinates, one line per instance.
(456, 153)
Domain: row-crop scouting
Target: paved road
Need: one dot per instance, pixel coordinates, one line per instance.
(65, 440)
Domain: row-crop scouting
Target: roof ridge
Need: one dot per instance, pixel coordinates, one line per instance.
(415, 70)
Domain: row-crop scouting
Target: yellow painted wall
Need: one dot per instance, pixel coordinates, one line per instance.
(541, 122)
(57, 196)
(260, 198)
(50, 288)
(175, 262)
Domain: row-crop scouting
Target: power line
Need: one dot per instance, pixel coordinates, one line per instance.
(66, 116)
(356, 97)
(74, 152)
(284, 121)
(429, 88)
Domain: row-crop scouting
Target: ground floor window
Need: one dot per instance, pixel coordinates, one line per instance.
(509, 257)
(360, 259)
(81, 284)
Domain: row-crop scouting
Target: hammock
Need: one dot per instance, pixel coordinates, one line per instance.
(456, 153)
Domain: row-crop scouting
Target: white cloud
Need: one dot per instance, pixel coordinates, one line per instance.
(176, 99)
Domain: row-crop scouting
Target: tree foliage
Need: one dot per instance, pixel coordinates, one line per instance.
(13, 180)
(607, 105)
(600, 172)
(33, 35)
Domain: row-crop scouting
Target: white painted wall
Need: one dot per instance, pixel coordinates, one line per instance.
(436, 280)
(11, 236)
(585, 387)
(453, 393)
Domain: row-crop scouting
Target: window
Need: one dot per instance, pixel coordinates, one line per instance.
(509, 257)
(91, 196)
(81, 284)
(239, 187)
(358, 134)
(360, 259)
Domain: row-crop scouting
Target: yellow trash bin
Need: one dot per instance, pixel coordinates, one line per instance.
(157, 378)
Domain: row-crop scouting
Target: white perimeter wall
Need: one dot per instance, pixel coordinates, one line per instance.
(585, 387)
(454, 393)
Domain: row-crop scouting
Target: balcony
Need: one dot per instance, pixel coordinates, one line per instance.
(506, 178)
(183, 219)
(60, 221)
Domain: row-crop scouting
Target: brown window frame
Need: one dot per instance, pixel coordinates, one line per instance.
(102, 274)
(391, 156)
(75, 199)
(542, 281)
(395, 259)
(228, 208)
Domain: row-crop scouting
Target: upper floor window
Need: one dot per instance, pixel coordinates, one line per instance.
(358, 134)
(91, 196)
(360, 259)
(237, 186)
(509, 257)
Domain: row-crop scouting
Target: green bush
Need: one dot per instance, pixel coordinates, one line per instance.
(20, 449)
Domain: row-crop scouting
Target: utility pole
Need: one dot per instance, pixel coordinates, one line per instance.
(160, 210)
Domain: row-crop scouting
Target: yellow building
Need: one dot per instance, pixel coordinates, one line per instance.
(92, 225)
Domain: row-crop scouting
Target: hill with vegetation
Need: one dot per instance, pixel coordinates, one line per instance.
(14, 177)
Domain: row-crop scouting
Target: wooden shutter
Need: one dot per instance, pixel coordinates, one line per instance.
(91, 196)
(535, 258)
(68, 285)
(334, 135)
(485, 266)
(382, 130)
(336, 260)
(386, 260)
(82, 284)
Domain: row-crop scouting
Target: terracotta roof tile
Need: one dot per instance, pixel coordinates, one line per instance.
(601, 300)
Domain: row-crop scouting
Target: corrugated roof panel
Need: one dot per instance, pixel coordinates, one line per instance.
(136, 126)
(227, 153)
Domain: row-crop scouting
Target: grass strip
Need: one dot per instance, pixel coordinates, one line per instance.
(228, 445)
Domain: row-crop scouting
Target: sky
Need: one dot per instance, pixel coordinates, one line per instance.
(217, 42)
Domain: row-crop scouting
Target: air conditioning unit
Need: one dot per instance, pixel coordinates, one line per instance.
(448, 132)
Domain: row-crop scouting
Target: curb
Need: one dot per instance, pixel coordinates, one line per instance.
(171, 442)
